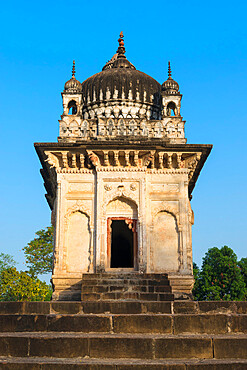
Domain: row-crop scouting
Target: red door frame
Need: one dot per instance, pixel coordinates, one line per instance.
(131, 221)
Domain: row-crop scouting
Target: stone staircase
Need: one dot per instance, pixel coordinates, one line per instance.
(123, 334)
(132, 286)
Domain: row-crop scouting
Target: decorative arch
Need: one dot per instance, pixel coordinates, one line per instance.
(78, 207)
(125, 204)
(166, 208)
(120, 192)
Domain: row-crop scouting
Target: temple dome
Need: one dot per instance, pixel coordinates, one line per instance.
(120, 84)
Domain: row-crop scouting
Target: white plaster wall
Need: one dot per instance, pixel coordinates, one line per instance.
(78, 243)
(165, 240)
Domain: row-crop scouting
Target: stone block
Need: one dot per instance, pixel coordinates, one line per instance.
(230, 347)
(156, 307)
(123, 307)
(218, 306)
(217, 365)
(142, 324)
(162, 288)
(66, 307)
(208, 324)
(79, 323)
(13, 346)
(185, 307)
(166, 296)
(120, 347)
(18, 323)
(183, 347)
(61, 346)
(90, 296)
(11, 307)
(40, 308)
(148, 296)
(151, 366)
(238, 323)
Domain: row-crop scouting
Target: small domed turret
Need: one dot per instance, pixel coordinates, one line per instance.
(73, 85)
(170, 87)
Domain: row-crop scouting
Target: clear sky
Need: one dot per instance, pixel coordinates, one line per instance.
(207, 45)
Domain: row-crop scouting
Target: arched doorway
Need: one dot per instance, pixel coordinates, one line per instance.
(122, 249)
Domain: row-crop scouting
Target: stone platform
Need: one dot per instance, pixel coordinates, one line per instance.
(127, 286)
(123, 334)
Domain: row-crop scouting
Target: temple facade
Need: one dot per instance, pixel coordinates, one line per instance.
(120, 178)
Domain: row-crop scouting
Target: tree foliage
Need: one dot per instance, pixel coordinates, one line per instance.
(19, 286)
(243, 268)
(6, 261)
(220, 277)
(38, 252)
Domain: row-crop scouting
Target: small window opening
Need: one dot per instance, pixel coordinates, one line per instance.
(171, 109)
(72, 107)
(122, 244)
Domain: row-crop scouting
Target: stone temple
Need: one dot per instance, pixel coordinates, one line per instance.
(119, 181)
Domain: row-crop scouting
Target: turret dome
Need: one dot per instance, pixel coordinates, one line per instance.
(73, 85)
(170, 87)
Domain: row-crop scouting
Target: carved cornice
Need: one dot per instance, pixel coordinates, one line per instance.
(71, 158)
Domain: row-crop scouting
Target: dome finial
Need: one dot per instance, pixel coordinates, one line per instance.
(169, 70)
(73, 69)
(121, 48)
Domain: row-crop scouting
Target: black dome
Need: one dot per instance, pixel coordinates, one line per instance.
(123, 80)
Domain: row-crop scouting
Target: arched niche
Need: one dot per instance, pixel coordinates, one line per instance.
(78, 242)
(72, 107)
(165, 243)
(171, 109)
(122, 207)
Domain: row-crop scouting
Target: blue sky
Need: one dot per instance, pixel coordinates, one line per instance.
(207, 45)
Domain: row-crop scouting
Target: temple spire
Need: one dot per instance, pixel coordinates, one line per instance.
(169, 70)
(73, 69)
(121, 48)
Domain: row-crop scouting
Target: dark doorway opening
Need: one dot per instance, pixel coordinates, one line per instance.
(122, 244)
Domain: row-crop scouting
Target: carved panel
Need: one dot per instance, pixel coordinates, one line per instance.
(80, 186)
(165, 188)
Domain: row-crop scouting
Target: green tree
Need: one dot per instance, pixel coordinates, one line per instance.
(38, 252)
(243, 268)
(220, 277)
(6, 261)
(19, 286)
(196, 273)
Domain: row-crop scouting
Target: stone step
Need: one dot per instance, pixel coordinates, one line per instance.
(125, 288)
(127, 295)
(127, 275)
(122, 323)
(13, 363)
(125, 282)
(123, 306)
(116, 346)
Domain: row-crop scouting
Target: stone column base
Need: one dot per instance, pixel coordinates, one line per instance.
(66, 287)
(181, 285)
